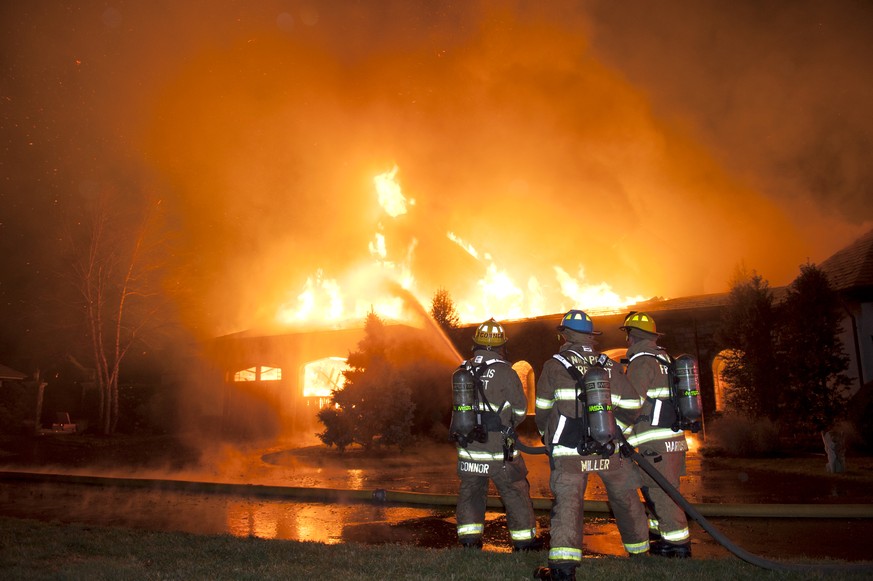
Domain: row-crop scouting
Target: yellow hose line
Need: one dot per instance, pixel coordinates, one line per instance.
(426, 499)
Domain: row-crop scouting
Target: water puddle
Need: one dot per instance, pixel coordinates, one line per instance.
(374, 523)
(226, 511)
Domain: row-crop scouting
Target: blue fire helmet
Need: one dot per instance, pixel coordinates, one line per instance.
(578, 321)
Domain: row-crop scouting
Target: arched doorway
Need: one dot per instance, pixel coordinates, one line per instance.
(528, 381)
(320, 378)
(720, 385)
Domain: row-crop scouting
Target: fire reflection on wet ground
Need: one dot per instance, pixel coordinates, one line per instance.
(371, 523)
(365, 523)
(216, 513)
(222, 512)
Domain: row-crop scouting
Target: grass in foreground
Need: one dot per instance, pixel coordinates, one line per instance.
(35, 550)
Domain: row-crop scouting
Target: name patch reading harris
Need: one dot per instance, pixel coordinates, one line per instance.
(473, 467)
(676, 446)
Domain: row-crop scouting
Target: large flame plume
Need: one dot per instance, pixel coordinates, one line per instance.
(496, 293)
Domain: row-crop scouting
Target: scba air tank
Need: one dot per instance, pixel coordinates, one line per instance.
(463, 404)
(688, 389)
(598, 400)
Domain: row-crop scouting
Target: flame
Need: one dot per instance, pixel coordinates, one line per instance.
(465, 245)
(600, 297)
(391, 197)
(501, 297)
(498, 292)
(322, 377)
(323, 300)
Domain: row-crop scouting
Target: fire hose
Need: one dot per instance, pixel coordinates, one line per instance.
(629, 451)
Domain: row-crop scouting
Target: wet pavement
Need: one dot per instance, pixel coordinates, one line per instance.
(430, 471)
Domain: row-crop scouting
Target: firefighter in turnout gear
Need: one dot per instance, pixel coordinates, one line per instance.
(486, 451)
(561, 417)
(649, 371)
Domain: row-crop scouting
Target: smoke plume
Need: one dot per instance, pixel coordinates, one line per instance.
(647, 147)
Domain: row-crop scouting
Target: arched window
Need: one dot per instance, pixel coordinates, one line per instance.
(258, 373)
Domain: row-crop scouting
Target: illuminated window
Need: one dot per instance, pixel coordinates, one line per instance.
(258, 373)
(271, 373)
(250, 374)
(323, 376)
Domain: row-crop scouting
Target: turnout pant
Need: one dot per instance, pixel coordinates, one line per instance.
(568, 483)
(667, 519)
(510, 479)
(622, 484)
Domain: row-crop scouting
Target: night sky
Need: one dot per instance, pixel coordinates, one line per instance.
(652, 147)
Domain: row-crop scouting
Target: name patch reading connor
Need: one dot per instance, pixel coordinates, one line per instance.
(473, 467)
(595, 465)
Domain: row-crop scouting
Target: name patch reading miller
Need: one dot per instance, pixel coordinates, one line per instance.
(595, 465)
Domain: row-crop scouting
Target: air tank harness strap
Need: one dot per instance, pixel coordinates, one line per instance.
(660, 412)
(573, 431)
(574, 373)
(489, 418)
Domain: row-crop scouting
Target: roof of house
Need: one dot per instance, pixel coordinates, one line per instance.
(682, 303)
(9, 373)
(851, 267)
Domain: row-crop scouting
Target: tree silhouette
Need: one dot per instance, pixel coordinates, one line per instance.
(749, 331)
(374, 408)
(115, 271)
(812, 352)
(443, 310)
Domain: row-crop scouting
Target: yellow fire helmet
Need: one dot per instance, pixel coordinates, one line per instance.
(490, 334)
(641, 321)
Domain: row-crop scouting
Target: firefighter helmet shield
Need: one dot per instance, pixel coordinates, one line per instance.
(641, 321)
(578, 321)
(490, 334)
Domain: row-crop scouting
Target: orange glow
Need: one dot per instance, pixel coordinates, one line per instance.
(391, 197)
(322, 377)
(261, 373)
(327, 301)
(307, 175)
(499, 291)
(693, 442)
(320, 298)
(299, 521)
